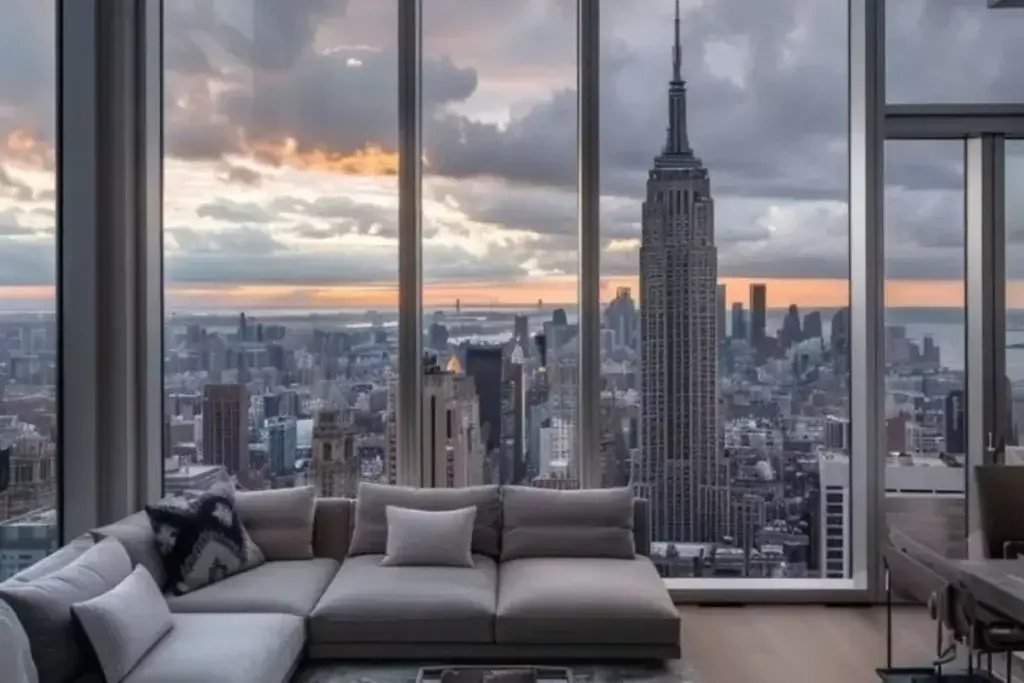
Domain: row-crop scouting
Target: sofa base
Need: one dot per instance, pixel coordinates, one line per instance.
(493, 653)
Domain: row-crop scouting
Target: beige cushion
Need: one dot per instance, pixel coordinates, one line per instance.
(43, 607)
(124, 623)
(279, 521)
(429, 538)
(593, 601)
(288, 587)
(368, 603)
(553, 523)
(370, 535)
(226, 648)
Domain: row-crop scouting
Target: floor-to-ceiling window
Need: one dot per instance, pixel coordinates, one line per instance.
(924, 345)
(500, 241)
(725, 282)
(28, 313)
(281, 243)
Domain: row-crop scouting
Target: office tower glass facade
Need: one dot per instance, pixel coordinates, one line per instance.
(29, 477)
(281, 244)
(499, 242)
(725, 348)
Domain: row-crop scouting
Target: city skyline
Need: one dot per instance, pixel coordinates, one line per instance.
(306, 194)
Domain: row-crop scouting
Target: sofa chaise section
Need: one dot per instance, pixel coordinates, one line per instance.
(617, 606)
(370, 610)
(227, 648)
(282, 587)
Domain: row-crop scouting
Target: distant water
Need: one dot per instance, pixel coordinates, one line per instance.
(945, 325)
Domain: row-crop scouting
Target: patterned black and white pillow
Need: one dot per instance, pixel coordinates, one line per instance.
(201, 538)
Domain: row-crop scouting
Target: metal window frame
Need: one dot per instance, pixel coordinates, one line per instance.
(588, 162)
(410, 250)
(985, 329)
(109, 235)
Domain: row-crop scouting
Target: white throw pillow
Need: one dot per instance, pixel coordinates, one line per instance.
(429, 538)
(124, 623)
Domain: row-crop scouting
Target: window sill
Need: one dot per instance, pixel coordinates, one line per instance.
(765, 591)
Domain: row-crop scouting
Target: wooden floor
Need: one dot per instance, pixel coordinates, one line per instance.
(791, 644)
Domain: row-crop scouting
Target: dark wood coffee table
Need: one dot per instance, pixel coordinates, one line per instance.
(460, 673)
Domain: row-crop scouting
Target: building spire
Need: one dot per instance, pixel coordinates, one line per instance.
(677, 143)
(677, 52)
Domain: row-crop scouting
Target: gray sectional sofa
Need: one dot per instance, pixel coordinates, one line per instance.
(533, 593)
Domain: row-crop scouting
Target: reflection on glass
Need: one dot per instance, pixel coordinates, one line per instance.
(725, 250)
(925, 402)
(499, 243)
(28, 320)
(281, 243)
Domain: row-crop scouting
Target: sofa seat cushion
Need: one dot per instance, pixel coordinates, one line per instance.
(595, 601)
(286, 587)
(227, 648)
(371, 603)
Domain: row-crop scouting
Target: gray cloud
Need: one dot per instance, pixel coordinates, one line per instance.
(767, 93)
(233, 212)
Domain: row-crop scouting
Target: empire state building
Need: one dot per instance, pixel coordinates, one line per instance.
(678, 378)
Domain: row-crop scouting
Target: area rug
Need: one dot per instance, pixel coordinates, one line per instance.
(675, 671)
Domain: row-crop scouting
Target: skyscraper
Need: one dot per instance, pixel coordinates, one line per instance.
(226, 426)
(758, 314)
(678, 329)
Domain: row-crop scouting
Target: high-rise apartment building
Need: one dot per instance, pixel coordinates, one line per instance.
(226, 426)
(678, 331)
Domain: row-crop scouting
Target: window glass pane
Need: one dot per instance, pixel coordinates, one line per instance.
(953, 51)
(280, 242)
(725, 273)
(500, 235)
(1014, 265)
(925, 402)
(28, 312)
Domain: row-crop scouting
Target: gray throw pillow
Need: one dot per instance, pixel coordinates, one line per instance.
(279, 521)
(43, 607)
(553, 523)
(370, 533)
(426, 538)
(124, 623)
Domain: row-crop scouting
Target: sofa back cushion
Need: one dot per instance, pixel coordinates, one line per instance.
(43, 607)
(279, 521)
(370, 535)
(136, 535)
(553, 523)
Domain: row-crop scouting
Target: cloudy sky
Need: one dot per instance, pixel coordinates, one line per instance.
(281, 128)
